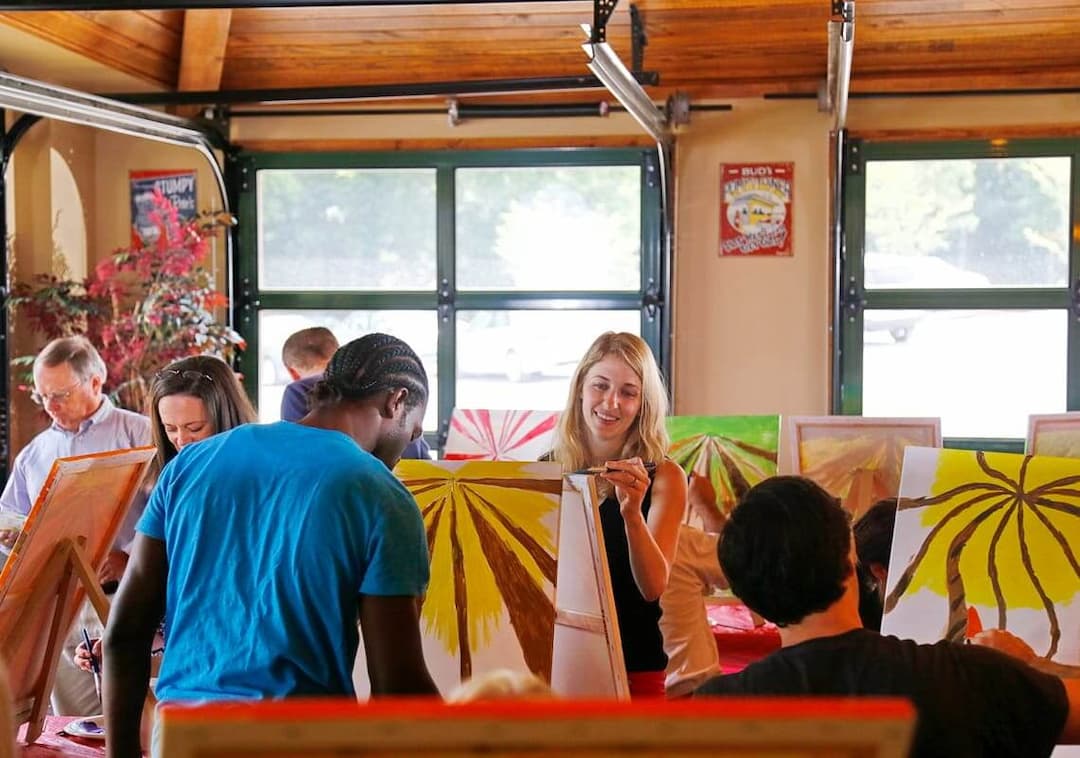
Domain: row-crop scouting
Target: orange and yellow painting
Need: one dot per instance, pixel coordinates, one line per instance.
(1054, 434)
(84, 501)
(987, 540)
(854, 458)
(492, 531)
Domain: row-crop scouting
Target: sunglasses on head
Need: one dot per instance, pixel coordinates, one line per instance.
(190, 373)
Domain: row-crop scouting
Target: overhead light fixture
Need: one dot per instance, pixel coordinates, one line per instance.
(50, 101)
(607, 67)
(841, 46)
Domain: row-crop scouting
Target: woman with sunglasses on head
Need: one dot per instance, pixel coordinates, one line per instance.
(192, 399)
(614, 421)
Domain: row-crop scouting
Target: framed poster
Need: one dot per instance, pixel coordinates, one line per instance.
(177, 185)
(755, 208)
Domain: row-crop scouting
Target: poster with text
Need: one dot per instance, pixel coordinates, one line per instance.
(176, 185)
(755, 208)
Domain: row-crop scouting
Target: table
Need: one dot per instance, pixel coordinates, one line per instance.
(52, 744)
(738, 641)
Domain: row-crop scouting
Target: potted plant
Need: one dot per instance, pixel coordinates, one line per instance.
(143, 307)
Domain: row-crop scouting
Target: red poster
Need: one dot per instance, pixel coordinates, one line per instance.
(755, 208)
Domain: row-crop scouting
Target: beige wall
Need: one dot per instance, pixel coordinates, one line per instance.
(751, 333)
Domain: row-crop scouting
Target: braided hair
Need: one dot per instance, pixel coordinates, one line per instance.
(368, 365)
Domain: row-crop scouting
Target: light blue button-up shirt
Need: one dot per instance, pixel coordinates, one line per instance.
(109, 428)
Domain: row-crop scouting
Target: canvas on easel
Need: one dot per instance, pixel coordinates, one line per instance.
(588, 658)
(489, 435)
(733, 452)
(1054, 434)
(53, 565)
(492, 533)
(855, 458)
(987, 540)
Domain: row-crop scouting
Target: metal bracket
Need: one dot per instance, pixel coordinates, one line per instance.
(652, 301)
(638, 40)
(446, 301)
(602, 10)
(852, 300)
(853, 160)
(216, 120)
(678, 109)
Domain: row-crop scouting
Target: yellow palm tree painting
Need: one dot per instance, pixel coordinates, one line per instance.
(991, 538)
(492, 532)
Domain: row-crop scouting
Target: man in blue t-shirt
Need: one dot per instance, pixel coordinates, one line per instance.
(264, 545)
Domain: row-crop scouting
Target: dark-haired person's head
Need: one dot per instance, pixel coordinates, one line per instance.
(873, 543)
(786, 549)
(377, 373)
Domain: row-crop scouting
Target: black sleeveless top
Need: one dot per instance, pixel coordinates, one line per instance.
(639, 620)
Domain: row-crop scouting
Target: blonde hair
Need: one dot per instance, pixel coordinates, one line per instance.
(501, 684)
(647, 437)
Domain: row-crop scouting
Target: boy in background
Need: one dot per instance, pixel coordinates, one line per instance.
(305, 355)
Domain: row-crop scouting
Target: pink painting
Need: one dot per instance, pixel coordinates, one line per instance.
(487, 435)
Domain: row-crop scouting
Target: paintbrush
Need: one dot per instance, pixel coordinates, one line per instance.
(650, 466)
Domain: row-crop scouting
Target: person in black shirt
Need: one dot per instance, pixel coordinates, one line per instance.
(873, 543)
(614, 421)
(788, 554)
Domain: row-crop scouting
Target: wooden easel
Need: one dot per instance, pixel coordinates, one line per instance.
(588, 657)
(53, 566)
(70, 562)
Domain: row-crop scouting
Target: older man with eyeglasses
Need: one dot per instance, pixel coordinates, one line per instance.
(68, 379)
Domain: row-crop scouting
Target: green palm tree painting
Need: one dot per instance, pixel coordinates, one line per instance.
(734, 452)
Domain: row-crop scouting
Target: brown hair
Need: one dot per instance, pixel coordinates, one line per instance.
(308, 348)
(211, 380)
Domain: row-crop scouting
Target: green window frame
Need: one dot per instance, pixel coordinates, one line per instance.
(853, 298)
(446, 299)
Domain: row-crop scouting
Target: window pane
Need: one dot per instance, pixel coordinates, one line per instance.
(988, 222)
(568, 228)
(418, 328)
(983, 372)
(346, 229)
(522, 360)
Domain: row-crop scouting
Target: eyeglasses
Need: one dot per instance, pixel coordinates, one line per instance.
(190, 374)
(60, 396)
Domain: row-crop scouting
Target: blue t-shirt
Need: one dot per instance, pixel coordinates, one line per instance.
(272, 532)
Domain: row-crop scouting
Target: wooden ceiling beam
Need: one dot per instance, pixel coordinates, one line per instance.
(202, 50)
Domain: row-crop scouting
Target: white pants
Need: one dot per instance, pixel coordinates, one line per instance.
(73, 691)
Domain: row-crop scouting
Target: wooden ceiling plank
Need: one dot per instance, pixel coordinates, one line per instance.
(133, 47)
(877, 8)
